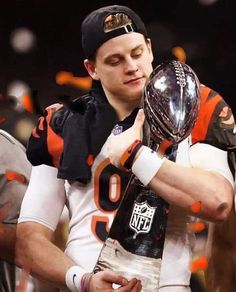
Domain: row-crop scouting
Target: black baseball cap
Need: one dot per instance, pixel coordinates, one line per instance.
(92, 28)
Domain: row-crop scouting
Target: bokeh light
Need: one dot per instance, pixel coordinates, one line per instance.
(22, 40)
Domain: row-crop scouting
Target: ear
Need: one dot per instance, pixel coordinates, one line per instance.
(149, 45)
(90, 67)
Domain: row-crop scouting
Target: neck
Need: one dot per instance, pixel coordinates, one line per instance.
(123, 109)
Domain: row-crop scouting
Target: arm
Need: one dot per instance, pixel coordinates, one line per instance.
(183, 186)
(35, 251)
(7, 235)
(7, 242)
(36, 224)
(177, 184)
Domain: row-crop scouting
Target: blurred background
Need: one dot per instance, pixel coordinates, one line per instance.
(41, 58)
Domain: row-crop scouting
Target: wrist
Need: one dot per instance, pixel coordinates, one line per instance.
(129, 155)
(146, 164)
(77, 280)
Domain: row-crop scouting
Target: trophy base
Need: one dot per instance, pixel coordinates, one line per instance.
(114, 257)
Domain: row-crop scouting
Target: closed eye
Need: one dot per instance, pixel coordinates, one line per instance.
(137, 53)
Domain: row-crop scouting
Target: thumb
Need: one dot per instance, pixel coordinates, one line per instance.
(139, 120)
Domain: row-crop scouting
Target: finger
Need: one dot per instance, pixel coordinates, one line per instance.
(112, 277)
(133, 284)
(137, 287)
(139, 120)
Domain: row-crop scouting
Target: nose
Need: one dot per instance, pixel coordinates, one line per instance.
(131, 65)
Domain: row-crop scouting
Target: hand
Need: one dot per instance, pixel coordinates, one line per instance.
(102, 282)
(117, 144)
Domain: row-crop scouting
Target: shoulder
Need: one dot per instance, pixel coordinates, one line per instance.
(46, 144)
(11, 150)
(215, 124)
(57, 114)
(9, 140)
(13, 162)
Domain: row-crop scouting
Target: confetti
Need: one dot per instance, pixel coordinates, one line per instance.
(90, 159)
(196, 207)
(13, 175)
(196, 227)
(199, 264)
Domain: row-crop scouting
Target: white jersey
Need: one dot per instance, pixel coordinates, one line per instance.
(92, 207)
(89, 217)
(90, 214)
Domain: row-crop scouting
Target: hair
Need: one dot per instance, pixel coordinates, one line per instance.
(115, 21)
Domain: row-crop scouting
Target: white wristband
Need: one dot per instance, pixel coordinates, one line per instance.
(146, 165)
(73, 278)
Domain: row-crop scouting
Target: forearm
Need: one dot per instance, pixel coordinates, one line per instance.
(44, 260)
(183, 186)
(7, 242)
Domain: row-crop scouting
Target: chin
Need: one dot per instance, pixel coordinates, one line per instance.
(135, 99)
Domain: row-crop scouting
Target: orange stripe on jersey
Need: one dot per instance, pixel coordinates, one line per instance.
(207, 107)
(54, 141)
(165, 144)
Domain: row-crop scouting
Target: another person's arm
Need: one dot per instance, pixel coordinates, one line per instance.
(14, 171)
(7, 242)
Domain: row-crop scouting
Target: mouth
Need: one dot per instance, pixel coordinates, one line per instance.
(134, 80)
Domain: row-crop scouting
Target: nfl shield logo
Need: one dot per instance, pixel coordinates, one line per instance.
(142, 217)
(117, 130)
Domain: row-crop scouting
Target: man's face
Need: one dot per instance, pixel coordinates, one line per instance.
(123, 65)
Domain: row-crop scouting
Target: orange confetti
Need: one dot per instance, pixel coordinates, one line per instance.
(83, 83)
(179, 53)
(90, 159)
(27, 103)
(199, 264)
(67, 78)
(196, 227)
(63, 77)
(13, 175)
(196, 207)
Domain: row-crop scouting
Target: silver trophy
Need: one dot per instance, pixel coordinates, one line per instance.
(171, 102)
(134, 245)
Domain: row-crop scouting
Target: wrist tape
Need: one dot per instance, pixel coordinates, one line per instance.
(146, 165)
(129, 154)
(77, 280)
